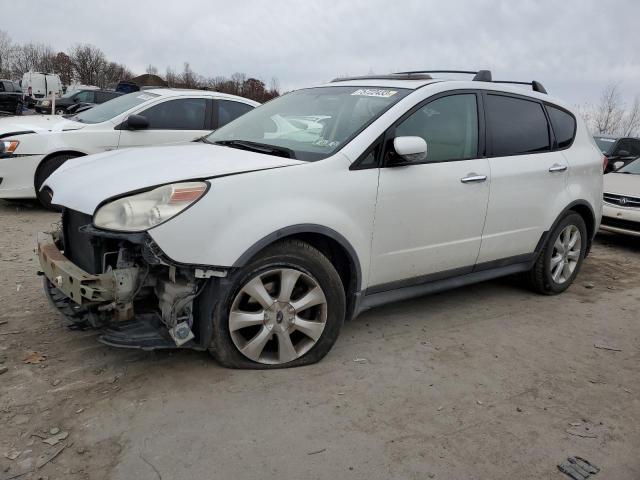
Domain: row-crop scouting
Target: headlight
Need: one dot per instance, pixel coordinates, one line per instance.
(46, 103)
(142, 211)
(8, 146)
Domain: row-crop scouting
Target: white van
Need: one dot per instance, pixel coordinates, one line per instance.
(37, 85)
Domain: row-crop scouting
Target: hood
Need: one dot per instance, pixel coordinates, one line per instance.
(37, 124)
(83, 183)
(622, 184)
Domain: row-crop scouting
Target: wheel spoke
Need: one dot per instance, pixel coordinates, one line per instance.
(239, 320)
(558, 245)
(555, 274)
(255, 289)
(254, 347)
(573, 239)
(555, 260)
(573, 255)
(288, 280)
(286, 350)
(311, 298)
(313, 330)
(566, 271)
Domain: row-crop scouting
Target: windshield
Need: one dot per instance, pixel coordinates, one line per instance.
(70, 93)
(108, 110)
(311, 124)
(633, 168)
(605, 144)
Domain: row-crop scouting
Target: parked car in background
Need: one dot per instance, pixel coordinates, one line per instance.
(258, 242)
(38, 85)
(11, 101)
(74, 99)
(619, 150)
(36, 146)
(621, 208)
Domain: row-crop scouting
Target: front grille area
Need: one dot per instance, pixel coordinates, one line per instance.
(619, 223)
(77, 245)
(621, 200)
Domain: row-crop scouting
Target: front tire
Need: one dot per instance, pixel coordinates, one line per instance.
(284, 309)
(561, 259)
(46, 168)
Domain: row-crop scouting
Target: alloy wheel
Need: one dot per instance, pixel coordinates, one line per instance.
(566, 254)
(278, 316)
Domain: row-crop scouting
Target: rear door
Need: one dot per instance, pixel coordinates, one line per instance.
(528, 177)
(174, 120)
(429, 216)
(226, 111)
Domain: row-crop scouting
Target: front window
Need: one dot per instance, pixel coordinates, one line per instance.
(112, 108)
(605, 144)
(632, 168)
(309, 124)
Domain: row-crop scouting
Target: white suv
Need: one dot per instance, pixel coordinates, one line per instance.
(33, 147)
(258, 243)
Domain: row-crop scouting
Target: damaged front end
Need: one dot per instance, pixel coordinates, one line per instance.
(123, 284)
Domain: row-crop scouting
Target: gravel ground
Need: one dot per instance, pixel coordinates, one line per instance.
(484, 382)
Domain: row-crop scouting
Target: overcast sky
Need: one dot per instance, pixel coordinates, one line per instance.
(574, 47)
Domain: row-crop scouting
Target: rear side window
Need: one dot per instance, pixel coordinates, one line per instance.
(85, 96)
(516, 126)
(449, 125)
(182, 114)
(564, 126)
(229, 110)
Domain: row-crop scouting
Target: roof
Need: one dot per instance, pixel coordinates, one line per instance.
(185, 92)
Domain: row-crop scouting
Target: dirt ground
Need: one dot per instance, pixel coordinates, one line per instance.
(484, 382)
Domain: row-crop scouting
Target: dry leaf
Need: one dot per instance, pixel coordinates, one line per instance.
(34, 358)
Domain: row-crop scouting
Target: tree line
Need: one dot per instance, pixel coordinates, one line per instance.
(88, 65)
(612, 115)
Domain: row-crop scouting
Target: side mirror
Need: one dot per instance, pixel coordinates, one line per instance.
(137, 122)
(411, 149)
(617, 165)
(623, 153)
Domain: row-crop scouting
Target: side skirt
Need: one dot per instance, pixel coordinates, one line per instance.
(379, 295)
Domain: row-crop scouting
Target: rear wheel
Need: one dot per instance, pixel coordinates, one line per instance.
(60, 111)
(284, 309)
(562, 257)
(46, 168)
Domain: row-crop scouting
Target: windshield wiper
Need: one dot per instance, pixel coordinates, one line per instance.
(203, 139)
(258, 147)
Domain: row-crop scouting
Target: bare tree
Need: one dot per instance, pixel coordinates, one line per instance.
(171, 78)
(189, 78)
(151, 70)
(88, 62)
(609, 112)
(32, 56)
(63, 67)
(6, 54)
(630, 125)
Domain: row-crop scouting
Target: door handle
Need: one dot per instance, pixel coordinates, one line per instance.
(472, 177)
(556, 167)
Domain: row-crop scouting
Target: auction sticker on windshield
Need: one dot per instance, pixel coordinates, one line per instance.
(374, 92)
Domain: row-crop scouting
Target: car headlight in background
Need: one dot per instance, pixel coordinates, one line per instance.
(8, 146)
(142, 211)
(46, 103)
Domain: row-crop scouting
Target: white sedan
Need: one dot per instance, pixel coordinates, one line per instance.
(31, 148)
(621, 208)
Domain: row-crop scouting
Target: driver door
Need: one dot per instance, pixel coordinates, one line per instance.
(429, 216)
(172, 121)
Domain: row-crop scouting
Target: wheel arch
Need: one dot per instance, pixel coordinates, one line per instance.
(582, 208)
(51, 155)
(332, 244)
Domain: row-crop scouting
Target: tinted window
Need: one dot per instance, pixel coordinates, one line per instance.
(564, 126)
(102, 97)
(516, 126)
(182, 114)
(8, 86)
(449, 125)
(605, 144)
(228, 111)
(629, 145)
(116, 106)
(85, 96)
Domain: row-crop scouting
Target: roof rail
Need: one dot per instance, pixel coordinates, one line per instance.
(536, 86)
(479, 76)
(391, 76)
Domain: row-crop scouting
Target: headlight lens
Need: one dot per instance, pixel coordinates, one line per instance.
(142, 211)
(8, 146)
(46, 103)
